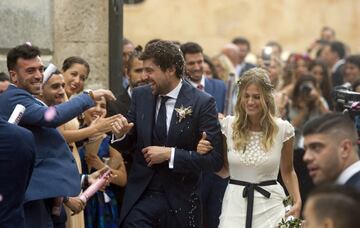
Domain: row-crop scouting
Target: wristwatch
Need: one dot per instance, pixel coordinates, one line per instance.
(65, 199)
(90, 93)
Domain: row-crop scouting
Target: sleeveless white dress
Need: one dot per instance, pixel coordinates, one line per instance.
(254, 166)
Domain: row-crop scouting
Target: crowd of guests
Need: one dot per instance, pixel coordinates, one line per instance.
(191, 141)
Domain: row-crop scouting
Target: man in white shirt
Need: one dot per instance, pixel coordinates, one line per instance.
(331, 150)
(194, 68)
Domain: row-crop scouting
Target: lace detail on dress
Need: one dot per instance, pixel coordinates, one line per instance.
(254, 154)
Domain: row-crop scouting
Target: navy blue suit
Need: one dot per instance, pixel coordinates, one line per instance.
(247, 67)
(338, 76)
(180, 184)
(212, 186)
(354, 181)
(17, 156)
(217, 89)
(55, 172)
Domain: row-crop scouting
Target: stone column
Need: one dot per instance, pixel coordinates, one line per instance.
(81, 29)
(23, 20)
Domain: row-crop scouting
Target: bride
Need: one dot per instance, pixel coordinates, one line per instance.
(258, 145)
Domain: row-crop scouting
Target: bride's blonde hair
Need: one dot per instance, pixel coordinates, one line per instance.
(260, 78)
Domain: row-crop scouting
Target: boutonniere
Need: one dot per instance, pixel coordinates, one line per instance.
(183, 112)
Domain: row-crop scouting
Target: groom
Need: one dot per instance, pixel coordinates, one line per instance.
(165, 122)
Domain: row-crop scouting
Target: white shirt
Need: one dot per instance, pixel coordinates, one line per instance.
(238, 69)
(129, 91)
(202, 82)
(337, 64)
(348, 173)
(170, 104)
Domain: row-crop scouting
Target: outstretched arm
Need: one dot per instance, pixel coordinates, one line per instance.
(97, 128)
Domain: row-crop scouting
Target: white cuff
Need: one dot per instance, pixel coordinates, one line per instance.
(82, 180)
(116, 140)
(171, 161)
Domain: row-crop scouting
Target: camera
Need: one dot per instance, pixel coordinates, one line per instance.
(348, 102)
(266, 55)
(322, 42)
(305, 88)
(345, 99)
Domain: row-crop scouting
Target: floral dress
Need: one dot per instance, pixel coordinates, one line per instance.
(101, 210)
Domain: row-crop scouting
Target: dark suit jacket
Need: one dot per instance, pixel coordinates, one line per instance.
(181, 182)
(217, 89)
(120, 105)
(337, 76)
(354, 181)
(247, 67)
(17, 156)
(55, 172)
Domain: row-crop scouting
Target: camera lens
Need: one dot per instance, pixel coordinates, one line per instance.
(305, 89)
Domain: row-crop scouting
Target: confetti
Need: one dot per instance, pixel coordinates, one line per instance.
(50, 114)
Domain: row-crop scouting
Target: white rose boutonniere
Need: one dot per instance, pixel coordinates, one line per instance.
(183, 112)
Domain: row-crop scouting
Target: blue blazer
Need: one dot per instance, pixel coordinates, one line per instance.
(55, 172)
(182, 181)
(354, 181)
(17, 156)
(217, 89)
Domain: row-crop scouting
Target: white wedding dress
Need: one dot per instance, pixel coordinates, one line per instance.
(254, 166)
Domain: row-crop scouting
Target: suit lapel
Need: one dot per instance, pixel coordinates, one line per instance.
(183, 101)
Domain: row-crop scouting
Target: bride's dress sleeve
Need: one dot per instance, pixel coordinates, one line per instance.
(289, 131)
(226, 125)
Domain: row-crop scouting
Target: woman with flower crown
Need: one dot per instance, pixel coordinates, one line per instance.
(258, 145)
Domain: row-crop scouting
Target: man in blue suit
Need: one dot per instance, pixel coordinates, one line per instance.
(331, 150)
(165, 121)
(17, 156)
(194, 68)
(213, 185)
(55, 173)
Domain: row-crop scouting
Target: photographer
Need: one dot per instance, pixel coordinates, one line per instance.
(307, 103)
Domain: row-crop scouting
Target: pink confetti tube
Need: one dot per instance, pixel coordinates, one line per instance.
(92, 189)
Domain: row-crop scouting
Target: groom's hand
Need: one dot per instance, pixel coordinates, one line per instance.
(156, 154)
(120, 126)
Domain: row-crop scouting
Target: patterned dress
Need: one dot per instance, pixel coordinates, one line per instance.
(101, 210)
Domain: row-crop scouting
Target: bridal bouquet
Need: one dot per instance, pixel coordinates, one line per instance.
(290, 222)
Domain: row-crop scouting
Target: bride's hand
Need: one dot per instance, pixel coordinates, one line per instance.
(294, 210)
(204, 146)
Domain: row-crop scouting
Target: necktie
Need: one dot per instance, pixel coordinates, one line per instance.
(200, 87)
(160, 130)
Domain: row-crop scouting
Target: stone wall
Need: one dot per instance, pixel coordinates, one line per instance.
(62, 28)
(23, 20)
(212, 23)
(81, 29)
